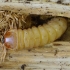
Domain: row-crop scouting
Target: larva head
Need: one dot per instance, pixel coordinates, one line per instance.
(10, 39)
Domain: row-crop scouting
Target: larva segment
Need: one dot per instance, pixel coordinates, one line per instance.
(44, 35)
(21, 39)
(57, 27)
(31, 35)
(62, 22)
(26, 38)
(35, 36)
(51, 32)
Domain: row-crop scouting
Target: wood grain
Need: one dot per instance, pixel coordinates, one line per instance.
(54, 56)
(48, 8)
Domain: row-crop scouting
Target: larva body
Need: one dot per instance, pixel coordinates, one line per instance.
(35, 36)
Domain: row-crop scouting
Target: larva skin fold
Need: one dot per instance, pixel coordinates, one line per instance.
(35, 36)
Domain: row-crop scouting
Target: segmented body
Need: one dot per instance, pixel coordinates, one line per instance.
(35, 36)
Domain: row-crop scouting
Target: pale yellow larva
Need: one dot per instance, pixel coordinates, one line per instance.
(35, 36)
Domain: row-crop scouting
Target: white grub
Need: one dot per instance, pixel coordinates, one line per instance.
(38, 36)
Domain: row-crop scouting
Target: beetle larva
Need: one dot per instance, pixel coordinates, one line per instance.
(35, 36)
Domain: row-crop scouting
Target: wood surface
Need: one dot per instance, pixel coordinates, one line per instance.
(48, 8)
(54, 56)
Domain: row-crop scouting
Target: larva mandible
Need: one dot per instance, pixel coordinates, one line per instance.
(35, 36)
